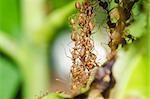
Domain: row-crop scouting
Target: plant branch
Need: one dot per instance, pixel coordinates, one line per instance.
(8, 45)
(55, 21)
(32, 16)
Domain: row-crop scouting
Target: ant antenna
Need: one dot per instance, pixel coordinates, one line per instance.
(65, 52)
(59, 80)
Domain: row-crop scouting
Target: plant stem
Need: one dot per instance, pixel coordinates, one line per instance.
(54, 21)
(31, 53)
(34, 68)
(32, 16)
(8, 45)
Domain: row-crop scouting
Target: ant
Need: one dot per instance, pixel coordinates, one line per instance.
(109, 23)
(41, 96)
(132, 38)
(127, 8)
(124, 42)
(116, 1)
(74, 36)
(104, 5)
(127, 13)
(78, 5)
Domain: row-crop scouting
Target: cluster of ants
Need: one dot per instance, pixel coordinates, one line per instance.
(83, 58)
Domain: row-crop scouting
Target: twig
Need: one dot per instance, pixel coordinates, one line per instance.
(32, 16)
(8, 45)
(54, 21)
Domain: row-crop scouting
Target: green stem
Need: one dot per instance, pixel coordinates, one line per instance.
(34, 67)
(31, 54)
(32, 62)
(54, 21)
(32, 16)
(8, 46)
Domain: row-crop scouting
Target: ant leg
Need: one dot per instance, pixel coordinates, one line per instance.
(98, 62)
(66, 53)
(93, 48)
(59, 80)
(68, 44)
(93, 32)
(104, 45)
(106, 27)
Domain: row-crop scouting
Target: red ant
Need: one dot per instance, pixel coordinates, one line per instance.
(41, 96)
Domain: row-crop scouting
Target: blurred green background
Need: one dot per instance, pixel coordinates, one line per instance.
(31, 33)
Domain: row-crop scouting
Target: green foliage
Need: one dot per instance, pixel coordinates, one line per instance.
(10, 17)
(32, 57)
(29, 51)
(138, 26)
(9, 23)
(133, 79)
(9, 79)
(138, 81)
(58, 3)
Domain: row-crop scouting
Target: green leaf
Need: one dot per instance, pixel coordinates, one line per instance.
(9, 79)
(10, 17)
(58, 3)
(138, 27)
(138, 82)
